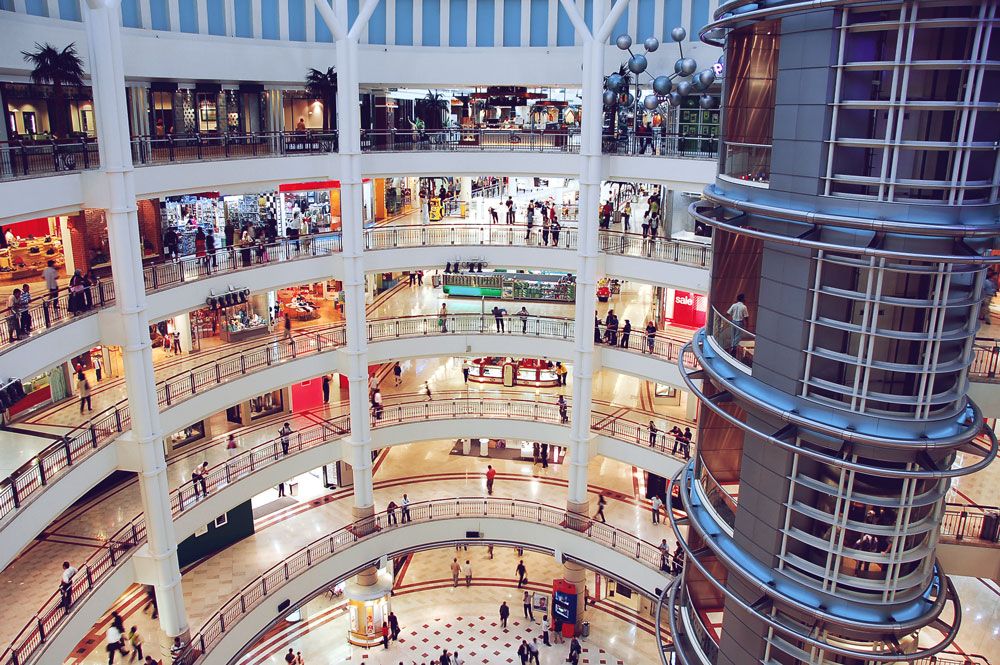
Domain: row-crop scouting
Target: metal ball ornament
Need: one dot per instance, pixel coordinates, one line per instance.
(614, 82)
(651, 44)
(706, 101)
(662, 85)
(706, 77)
(678, 34)
(688, 65)
(629, 99)
(610, 98)
(637, 64)
(674, 99)
(684, 88)
(624, 42)
(650, 102)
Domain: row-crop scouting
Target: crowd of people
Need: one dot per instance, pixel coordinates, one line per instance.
(79, 299)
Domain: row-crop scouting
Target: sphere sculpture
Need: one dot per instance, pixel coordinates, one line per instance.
(665, 89)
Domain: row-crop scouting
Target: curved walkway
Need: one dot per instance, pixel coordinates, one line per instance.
(232, 363)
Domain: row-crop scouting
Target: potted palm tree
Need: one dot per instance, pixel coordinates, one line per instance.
(323, 85)
(60, 69)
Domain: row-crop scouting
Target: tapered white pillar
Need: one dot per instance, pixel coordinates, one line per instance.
(359, 445)
(591, 170)
(116, 187)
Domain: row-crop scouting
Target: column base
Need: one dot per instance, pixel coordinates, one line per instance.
(577, 515)
(368, 596)
(576, 575)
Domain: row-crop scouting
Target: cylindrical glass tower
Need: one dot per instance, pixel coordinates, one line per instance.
(855, 206)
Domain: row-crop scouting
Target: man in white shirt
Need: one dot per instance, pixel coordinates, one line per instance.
(51, 277)
(467, 572)
(739, 315)
(66, 584)
(295, 227)
(114, 637)
(657, 503)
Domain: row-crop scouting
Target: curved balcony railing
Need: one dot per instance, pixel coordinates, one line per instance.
(414, 409)
(735, 341)
(985, 360)
(83, 440)
(151, 150)
(655, 144)
(721, 501)
(272, 581)
(478, 139)
(45, 312)
(971, 524)
(27, 159)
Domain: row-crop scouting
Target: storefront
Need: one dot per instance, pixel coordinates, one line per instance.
(308, 302)
(31, 111)
(45, 388)
(27, 247)
(682, 308)
(258, 210)
(316, 204)
(188, 214)
(394, 197)
(260, 406)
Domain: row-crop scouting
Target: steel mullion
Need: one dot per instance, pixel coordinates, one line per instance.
(901, 115)
(893, 110)
(817, 278)
(835, 114)
(967, 125)
(871, 343)
(932, 376)
(866, 330)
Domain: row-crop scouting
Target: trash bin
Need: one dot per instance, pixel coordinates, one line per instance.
(990, 530)
(585, 629)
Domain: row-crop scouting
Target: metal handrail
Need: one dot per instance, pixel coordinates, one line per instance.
(102, 563)
(272, 581)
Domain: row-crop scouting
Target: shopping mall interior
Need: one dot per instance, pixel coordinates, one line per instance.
(477, 331)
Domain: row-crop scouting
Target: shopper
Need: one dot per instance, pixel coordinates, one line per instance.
(288, 326)
(491, 475)
(385, 635)
(546, 225)
(557, 629)
(601, 503)
(650, 336)
(405, 509)
(14, 314)
(326, 389)
(397, 373)
(197, 481)
(597, 329)
(523, 315)
(678, 559)
(443, 318)
(210, 248)
(498, 318)
(543, 454)
(664, 555)
(510, 210)
(281, 490)
(232, 448)
(574, 651)
(200, 253)
(66, 585)
(393, 626)
(25, 310)
(98, 367)
(494, 218)
(656, 503)
(626, 215)
(466, 366)
(170, 243)
(427, 391)
(467, 573)
(115, 643)
(526, 604)
(76, 285)
(561, 373)
(522, 573)
(554, 229)
(523, 652)
(51, 277)
(285, 432)
(653, 432)
(626, 333)
(456, 569)
(390, 514)
(740, 317)
(83, 389)
(563, 410)
(504, 614)
(135, 641)
(533, 650)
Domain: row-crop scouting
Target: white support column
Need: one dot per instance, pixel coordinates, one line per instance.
(202, 6)
(498, 22)
(359, 445)
(525, 22)
(255, 18)
(470, 22)
(146, 14)
(418, 22)
(283, 20)
(230, 10)
(553, 36)
(591, 172)
(445, 16)
(390, 22)
(310, 22)
(102, 20)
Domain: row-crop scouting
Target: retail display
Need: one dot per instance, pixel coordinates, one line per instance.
(512, 286)
(514, 372)
(28, 257)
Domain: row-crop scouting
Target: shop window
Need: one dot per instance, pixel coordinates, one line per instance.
(187, 435)
(30, 123)
(208, 120)
(162, 109)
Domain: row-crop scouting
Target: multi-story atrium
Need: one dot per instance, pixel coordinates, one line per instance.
(482, 331)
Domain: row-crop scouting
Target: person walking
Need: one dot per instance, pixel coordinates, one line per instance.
(544, 455)
(135, 641)
(210, 250)
(397, 374)
(25, 310)
(491, 475)
(626, 215)
(232, 448)
(443, 318)
(546, 225)
(656, 503)
(385, 635)
(427, 391)
(504, 614)
(557, 629)
(466, 366)
(394, 626)
(467, 573)
(530, 219)
(546, 627)
(523, 652)
(98, 367)
(533, 650)
(601, 502)
(285, 432)
(83, 388)
(526, 603)
(563, 409)
(522, 574)
(288, 326)
(115, 643)
(574, 651)
(66, 585)
(14, 314)
(456, 568)
(626, 333)
(326, 389)
(281, 489)
(405, 505)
